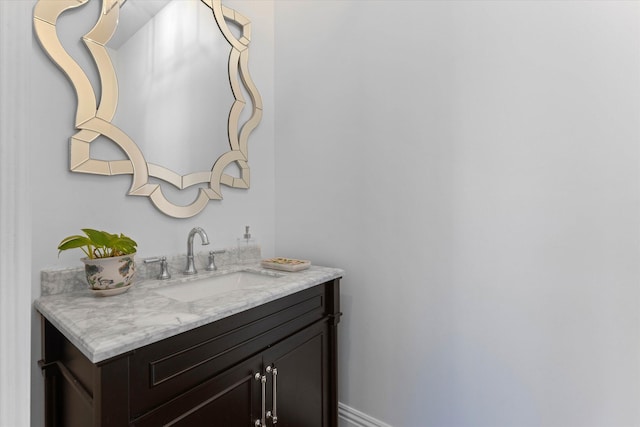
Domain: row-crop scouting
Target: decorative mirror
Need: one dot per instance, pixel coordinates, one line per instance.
(164, 156)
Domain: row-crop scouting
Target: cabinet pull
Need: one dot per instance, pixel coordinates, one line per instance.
(263, 379)
(274, 415)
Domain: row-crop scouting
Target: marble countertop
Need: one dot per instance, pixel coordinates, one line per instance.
(104, 327)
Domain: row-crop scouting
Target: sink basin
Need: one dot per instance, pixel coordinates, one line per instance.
(216, 285)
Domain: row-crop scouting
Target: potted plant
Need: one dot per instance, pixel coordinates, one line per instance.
(109, 263)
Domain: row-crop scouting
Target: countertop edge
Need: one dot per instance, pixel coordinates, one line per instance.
(73, 314)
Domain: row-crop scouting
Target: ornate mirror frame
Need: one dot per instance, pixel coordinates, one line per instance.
(94, 118)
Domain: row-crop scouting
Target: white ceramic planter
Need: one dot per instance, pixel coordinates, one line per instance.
(110, 273)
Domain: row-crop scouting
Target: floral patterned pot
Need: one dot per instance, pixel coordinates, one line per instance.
(110, 273)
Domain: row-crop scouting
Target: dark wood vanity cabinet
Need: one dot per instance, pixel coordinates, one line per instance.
(277, 360)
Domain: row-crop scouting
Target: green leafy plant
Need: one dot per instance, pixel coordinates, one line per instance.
(99, 244)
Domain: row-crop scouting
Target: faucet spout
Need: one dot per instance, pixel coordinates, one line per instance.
(191, 268)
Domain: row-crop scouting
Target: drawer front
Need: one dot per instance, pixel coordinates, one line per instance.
(164, 370)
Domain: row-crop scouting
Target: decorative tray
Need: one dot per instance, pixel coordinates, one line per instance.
(286, 264)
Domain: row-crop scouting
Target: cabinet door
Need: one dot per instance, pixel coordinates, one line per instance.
(298, 393)
(231, 399)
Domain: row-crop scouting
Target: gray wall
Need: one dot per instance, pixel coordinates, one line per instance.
(474, 167)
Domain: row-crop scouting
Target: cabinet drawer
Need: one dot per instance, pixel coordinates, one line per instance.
(164, 370)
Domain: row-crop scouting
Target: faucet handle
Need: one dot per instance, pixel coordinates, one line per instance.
(212, 260)
(164, 267)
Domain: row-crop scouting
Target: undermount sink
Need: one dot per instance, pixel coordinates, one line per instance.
(215, 285)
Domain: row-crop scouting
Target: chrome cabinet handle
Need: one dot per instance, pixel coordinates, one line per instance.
(274, 415)
(263, 379)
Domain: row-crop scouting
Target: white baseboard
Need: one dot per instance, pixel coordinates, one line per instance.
(349, 417)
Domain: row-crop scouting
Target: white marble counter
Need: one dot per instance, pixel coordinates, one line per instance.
(104, 327)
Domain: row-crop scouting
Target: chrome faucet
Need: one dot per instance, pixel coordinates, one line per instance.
(191, 267)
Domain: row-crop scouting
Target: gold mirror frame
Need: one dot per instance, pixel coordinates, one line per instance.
(94, 119)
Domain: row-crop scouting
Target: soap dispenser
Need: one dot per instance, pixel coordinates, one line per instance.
(246, 239)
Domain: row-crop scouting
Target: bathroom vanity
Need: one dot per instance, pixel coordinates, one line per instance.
(261, 356)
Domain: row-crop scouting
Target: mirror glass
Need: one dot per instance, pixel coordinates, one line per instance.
(174, 95)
